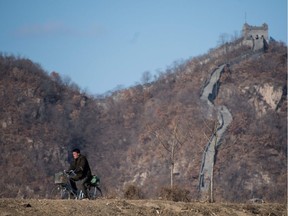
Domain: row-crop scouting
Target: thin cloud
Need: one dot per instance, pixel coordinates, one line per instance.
(135, 37)
(56, 29)
(38, 30)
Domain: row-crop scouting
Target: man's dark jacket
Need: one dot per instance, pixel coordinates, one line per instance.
(81, 168)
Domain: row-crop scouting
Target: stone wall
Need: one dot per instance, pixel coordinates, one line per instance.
(255, 37)
(255, 32)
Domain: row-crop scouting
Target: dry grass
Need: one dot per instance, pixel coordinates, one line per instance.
(110, 207)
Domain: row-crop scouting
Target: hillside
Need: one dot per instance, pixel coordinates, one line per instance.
(43, 117)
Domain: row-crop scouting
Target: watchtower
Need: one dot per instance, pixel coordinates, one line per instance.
(255, 36)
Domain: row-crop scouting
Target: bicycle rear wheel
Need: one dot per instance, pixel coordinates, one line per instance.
(60, 192)
(94, 192)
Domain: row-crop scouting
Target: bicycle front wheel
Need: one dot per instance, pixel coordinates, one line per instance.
(59, 192)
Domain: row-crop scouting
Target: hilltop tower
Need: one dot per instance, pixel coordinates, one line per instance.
(255, 36)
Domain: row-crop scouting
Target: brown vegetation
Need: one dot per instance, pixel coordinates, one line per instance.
(43, 117)
(111, 207)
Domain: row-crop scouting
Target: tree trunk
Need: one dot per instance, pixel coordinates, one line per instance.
(212, 169)
(211, 184)
(172, 165)
(172, 172)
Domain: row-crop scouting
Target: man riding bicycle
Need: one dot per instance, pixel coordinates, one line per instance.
(82, 171)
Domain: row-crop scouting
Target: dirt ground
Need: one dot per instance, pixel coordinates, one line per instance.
(45, 207)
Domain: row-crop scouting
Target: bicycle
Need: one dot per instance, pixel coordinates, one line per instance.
(63, 188)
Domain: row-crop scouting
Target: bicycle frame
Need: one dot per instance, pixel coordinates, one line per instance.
(65, 190)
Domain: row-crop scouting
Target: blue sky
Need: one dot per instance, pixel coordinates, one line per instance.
(102, 44)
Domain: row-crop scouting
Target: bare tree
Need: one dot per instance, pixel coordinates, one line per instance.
(215, 127)
(223, 41)
(146, 77)
(235, 36)
(172, 137)
(211, 128)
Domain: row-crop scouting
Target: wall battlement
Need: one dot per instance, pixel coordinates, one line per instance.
(249, 31)
(255, 36)
(253, 39)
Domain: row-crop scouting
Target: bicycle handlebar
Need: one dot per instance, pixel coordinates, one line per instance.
(70, 173)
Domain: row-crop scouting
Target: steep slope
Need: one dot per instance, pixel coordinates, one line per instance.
(252, 159)
(43, 118)
(253, 96)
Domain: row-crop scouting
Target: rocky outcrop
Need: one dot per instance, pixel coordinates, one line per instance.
(263, 97)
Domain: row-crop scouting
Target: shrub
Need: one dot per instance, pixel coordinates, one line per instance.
(133, 192)
(175, 194)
